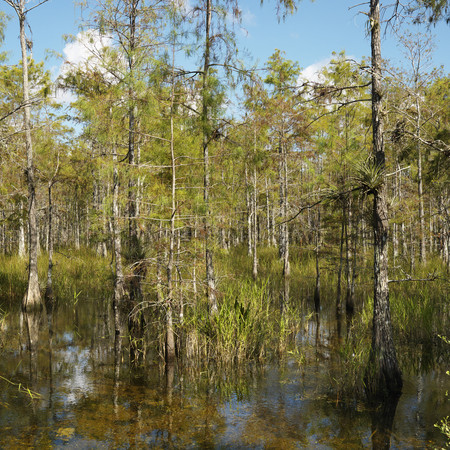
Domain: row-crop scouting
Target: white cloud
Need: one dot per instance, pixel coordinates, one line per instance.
(85, 50)
(312, 72)
(248, 18)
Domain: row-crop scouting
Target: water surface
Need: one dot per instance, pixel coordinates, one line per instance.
(87, 398)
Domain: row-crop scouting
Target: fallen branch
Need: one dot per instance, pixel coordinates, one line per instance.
(431, 277)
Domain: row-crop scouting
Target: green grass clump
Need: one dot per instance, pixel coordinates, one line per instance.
(246, 327)
(419, 309)
(79, 273)
(75, 273)
(13, 278)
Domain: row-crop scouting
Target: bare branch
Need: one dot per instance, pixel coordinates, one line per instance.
(431, 277)
(35, 6)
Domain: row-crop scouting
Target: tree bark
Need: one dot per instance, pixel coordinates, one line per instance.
(22, 246)
(255, 227)
(349, 258)
(248, 201)
(32, 299)
(284, 230)
(422, 251)
(339, 274)
(210, 278)
(49, 287)
(119, 291)
(170, 336)
(317, 254)
(383, 375)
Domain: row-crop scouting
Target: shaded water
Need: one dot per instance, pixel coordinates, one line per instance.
(87, 401)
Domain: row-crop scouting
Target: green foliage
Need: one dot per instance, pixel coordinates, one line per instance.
(3, 21)
(418, 307)
(283, 73)
(431, 11)
(369, 176)
(244, 326)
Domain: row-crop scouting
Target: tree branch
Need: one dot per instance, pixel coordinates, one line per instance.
(35, 6)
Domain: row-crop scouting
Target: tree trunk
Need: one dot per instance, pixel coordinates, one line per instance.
(32, 299)
(210, 278)
(22, 246)
(284, 230)
(349, 258)
(117, 246)
(339, 274)
(255, 227)
(248, 201)
(412, 250)
(49, 288)
(77, 225)
(422, 251)
(317, 253)
(170, 337)
(383, 375)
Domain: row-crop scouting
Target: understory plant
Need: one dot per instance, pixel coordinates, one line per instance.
(247, 326)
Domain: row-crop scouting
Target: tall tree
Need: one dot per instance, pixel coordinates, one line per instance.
(213, 32)
(286, 118)
(32, 298)
(383, 376)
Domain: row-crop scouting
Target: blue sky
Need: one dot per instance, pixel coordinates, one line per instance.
(309, 37)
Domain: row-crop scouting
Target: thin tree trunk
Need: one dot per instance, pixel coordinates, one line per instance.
(32, 299)
(269, 240)
(255, 227)
(339, 274)
(284, 230)
(422, 252)
(210, 278)
(22, 246)
(350, 256)
(170, 337)
(248, 201)
(317, 253)
(134, 246)
(119, 291)
(412, 250)
(49, 288)
(77, 225)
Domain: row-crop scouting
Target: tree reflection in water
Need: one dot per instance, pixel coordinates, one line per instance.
(382, 419)
(32, 322)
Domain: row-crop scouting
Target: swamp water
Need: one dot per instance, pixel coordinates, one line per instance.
(86, 400)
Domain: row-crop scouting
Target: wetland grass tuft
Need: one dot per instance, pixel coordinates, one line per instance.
(244, 327)
(74, 272)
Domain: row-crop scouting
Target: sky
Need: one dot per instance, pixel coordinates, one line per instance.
(309, 36)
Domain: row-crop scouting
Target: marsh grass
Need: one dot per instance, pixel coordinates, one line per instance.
(420, 309)
(419, 313)
(79, 274)
(353, 355)
(244, 327)
(250, 324)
